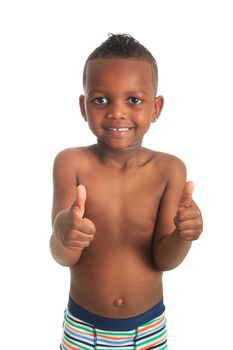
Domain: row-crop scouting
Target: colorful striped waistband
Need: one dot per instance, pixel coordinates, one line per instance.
(112, 324)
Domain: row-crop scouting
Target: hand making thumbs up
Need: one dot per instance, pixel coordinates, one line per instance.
(79, 204)
(188, 220)
(76, 232)
(186, 198)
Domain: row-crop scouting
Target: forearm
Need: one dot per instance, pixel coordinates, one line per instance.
(170, 251)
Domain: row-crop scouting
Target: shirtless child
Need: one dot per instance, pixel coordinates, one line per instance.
(122, 214)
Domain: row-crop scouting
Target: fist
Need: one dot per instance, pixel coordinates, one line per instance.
(78, 232)
(188, 220)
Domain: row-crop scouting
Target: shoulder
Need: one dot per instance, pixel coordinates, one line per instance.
(72, 155)
(170, 161)
(165, 160)
(168, 165)
(69, 162)
(173, 170)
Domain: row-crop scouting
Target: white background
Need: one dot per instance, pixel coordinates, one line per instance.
(43, 48)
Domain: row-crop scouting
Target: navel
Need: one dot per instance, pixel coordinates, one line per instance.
(119, 302)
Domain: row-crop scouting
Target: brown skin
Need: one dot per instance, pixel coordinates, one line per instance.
(133, 217)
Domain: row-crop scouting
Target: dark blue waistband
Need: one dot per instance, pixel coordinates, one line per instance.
(112, 324)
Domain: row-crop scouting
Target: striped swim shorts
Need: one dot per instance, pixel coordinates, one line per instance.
(86, 331)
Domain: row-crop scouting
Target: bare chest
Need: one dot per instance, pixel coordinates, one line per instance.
(123, 205)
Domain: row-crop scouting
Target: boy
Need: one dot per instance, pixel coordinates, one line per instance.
(122, 214)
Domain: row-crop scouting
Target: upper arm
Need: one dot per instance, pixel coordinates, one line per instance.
(169, 203)
(64, 182)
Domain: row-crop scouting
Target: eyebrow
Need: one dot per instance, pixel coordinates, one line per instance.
(103, 92)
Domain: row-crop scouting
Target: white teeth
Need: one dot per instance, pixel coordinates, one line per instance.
(118, 129)
(123, 129)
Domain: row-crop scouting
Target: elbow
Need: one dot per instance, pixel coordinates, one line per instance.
(162, 263)
(162, 266)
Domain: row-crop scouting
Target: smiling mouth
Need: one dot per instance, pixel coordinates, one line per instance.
(118, 129)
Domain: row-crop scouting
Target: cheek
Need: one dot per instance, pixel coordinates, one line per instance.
(93, 128)
(94, 123)
(93, 113)
(91, 123)
(144, 118)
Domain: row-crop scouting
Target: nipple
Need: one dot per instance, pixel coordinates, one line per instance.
(118, 302)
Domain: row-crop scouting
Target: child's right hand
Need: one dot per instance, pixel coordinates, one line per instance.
(74, 231)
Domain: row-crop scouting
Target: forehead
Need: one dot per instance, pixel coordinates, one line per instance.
(132, 73)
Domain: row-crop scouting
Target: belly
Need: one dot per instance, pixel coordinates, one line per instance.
(116, 281)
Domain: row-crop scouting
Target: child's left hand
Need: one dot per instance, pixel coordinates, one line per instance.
(188, 220)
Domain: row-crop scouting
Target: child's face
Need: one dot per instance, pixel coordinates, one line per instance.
(119, 102)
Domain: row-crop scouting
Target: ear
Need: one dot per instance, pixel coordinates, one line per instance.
(82, 106)
(158, 106)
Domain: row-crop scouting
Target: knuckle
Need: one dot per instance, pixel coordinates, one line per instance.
(179, 216)
(183, 235)
(90, 226)
(85, 244)
(199, 227)
(93, 229)
(180, 212)
(180, 226)
(69, 236)
(195, 237)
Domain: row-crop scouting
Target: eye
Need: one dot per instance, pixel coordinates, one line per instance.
(135, 100)
(100, 100)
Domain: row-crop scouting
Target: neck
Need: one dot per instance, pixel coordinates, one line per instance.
(121, 159)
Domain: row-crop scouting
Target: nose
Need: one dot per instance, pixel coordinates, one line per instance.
(116, 111)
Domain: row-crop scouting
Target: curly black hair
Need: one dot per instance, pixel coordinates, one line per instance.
(122, 46)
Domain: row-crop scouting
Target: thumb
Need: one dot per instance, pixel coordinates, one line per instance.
(79, 203)
(186, 197)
